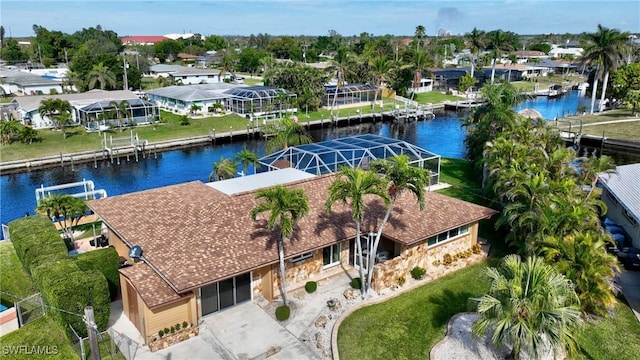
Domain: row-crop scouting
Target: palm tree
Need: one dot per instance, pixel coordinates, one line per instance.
(379, 69)
(247, 157)
(400, 177)
(48, 107)
(420, 31)
(591, 168)
(528, 304)
(64, 119)
(420, 63)
(194, 109)
(339, 63)
(284, 207)
(223, 169)
(101, 74)
(500, 44)
(352, 186)
(8, 130)
(476, 39)
(66, 209)
(122, 111)
(608, 49)
(582, 257)
(288, 132)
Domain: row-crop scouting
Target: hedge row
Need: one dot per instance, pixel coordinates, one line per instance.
(36, 241)
(67, 285)
(107, 262)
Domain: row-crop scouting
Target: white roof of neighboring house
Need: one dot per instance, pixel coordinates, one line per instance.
(166, 68)
(624, 184)
(31, 103)
(194, 71)
(260, 180)
(193, 92)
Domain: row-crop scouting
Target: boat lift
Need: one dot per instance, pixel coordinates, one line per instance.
(87, 185)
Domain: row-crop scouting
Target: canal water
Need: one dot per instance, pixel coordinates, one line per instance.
(443, 135)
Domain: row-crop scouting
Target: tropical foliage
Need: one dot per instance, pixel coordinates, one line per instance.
(284, 207)
(287, 132)
(64, 209)
(529, 306)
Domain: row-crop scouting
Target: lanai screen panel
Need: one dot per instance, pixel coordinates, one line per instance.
(353, 151)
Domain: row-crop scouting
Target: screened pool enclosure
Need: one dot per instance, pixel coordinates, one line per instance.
(104, 113)
(354, 151)
(260, 100)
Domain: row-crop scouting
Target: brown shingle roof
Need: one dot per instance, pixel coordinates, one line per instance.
(194, 234)
(152, 289)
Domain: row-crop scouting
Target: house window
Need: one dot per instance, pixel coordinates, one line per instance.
(302, 257)
(447, 235)
(331, 255)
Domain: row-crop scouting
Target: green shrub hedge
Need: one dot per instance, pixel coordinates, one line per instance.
(65, 286)
(311, 286)
(283, 312)
(36, 241)
(104, 260)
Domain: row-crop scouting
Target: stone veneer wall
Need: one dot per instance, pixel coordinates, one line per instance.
(386, 274)
(310, 269)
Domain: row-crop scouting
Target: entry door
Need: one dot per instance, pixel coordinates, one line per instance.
(226, 293)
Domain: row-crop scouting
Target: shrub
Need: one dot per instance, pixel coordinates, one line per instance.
(36, 241)
(185, 324)
(283, 312)
(418, 272)
(476, 248)
(436, 263)
(356, 283)
(311, 286)
(177, 327)
(447, 259)
(161, 333)
(167, 331)
(401, 280)
(107, 262)
(64, 286)
(172, 329)
(184, 121)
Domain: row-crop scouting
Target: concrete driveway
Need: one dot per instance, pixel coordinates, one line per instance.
(249, 332)
(629, 282)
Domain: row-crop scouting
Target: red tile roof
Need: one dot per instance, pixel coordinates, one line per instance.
(194, 235)
(143, 39)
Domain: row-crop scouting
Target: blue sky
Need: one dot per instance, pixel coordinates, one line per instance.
(316, 17)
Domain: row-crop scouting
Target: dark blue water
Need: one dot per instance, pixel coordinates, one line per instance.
(443, 135)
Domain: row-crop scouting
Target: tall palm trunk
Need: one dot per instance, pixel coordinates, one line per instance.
(493, 70)
(593, 93)
(283, 279)
(374, 249)
(604, 90)
(473, 64)
(359, 255)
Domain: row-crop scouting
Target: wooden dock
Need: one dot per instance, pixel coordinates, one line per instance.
(463, 104)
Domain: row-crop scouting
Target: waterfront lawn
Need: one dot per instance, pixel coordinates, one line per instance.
(409, 325)
(435, 97)
(14, 281)
(622, 130)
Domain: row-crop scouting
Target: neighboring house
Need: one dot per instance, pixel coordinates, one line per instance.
(447, 79)
(561, 52)
(525, 56)
(517, 72)
(202, 253)
(164, 70)
(188, 76)
(180, 99)
(87, 108)
(558, 67)
(621, 193)
(23, 83)
(143, 40)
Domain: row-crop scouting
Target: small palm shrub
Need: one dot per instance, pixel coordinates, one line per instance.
(476, 248)
(401, 280)
(161, 333)
(311, 286)
(447, 259)
(356, 283)
(185, 324)
(283, 312)
(418, 272)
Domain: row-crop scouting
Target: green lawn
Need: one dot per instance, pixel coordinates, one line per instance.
(626, 130)
(435, 97)
(409, 325)
(13, 279)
